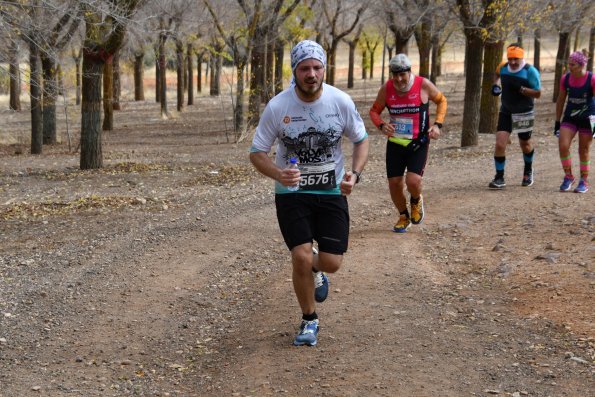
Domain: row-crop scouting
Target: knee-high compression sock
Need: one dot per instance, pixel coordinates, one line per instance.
(500, 163)
(585, 166)
(528, 157)
(567, 165)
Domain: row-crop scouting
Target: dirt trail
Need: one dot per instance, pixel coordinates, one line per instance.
(174, 279)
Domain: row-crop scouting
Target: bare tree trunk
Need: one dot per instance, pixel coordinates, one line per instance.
(537, 50)
(371, 58)
(139, 73)
(91, 135)
(402, 44)
(15, 77)
(199, 73)
(50, 90)
(591, 49)
(35, 98)
(365, 64)
(163, 77)
(423, 38)
(269, 83)
(473, 61)
(563, 46)
(279, 53)
(577, 33)
(59, 80)
(238, 112)
(190, 78)
(116, 81)
(257, 61)
(216, 64)
(435, 68)
(77, 63)
(108, 95)
(180, 75)
(331, 69)
(489, 104)
(157, 79)
(352, 47)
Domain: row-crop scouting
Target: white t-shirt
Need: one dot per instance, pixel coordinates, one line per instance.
(311, 132)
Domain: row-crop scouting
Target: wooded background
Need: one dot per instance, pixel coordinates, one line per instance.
(58, 50)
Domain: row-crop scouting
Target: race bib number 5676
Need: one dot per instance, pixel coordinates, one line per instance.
(319, 176)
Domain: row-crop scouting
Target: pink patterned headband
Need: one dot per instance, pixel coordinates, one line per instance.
(578, 57)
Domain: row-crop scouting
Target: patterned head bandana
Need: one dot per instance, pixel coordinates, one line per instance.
(400, 63)
(307, 49)
(579, 58)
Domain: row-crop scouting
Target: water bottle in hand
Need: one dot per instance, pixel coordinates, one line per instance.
(293, 165)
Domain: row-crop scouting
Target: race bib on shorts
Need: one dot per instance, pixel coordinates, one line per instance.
(318, 176)
(403, 127)
(523, 122)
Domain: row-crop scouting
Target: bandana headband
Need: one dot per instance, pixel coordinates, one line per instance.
(579, 58)
(515, 52)
(307, 49)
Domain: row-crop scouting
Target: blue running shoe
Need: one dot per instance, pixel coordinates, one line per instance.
(567, 183)
(308, 334)
(320, 283)
(582, 187)
(320, 287)
(527, 179)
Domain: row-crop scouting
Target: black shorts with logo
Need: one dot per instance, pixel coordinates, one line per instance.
(305, 217)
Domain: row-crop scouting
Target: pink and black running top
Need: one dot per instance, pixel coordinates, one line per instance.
(581, 103)
(408, 114)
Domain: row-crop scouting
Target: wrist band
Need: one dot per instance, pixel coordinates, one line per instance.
(438, 124)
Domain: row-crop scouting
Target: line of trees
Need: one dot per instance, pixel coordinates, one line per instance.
(253, 35)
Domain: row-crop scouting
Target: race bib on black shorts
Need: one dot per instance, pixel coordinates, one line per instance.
(523, 122)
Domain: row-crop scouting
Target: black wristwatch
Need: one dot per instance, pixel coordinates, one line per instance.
(438, 124)
(358, 176)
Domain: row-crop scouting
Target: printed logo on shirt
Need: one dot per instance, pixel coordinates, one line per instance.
(413, 95)
(331, 115)
(298, 119)
(286, 119)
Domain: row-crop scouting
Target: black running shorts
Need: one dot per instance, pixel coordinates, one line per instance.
(399, 158)
(505, 124)
(306, 217)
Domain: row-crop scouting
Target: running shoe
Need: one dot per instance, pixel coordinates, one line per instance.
(320, 287)
(402, 225)
(417, 211)
(320, 283)
(497, 183)
(582, 187)
(308, 334)
(567, 183)
(527, 179)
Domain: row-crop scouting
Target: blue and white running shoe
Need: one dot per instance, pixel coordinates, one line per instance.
(308, 334)
(567, 184)
(582, 187)
(320, 287)
(320, 283)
